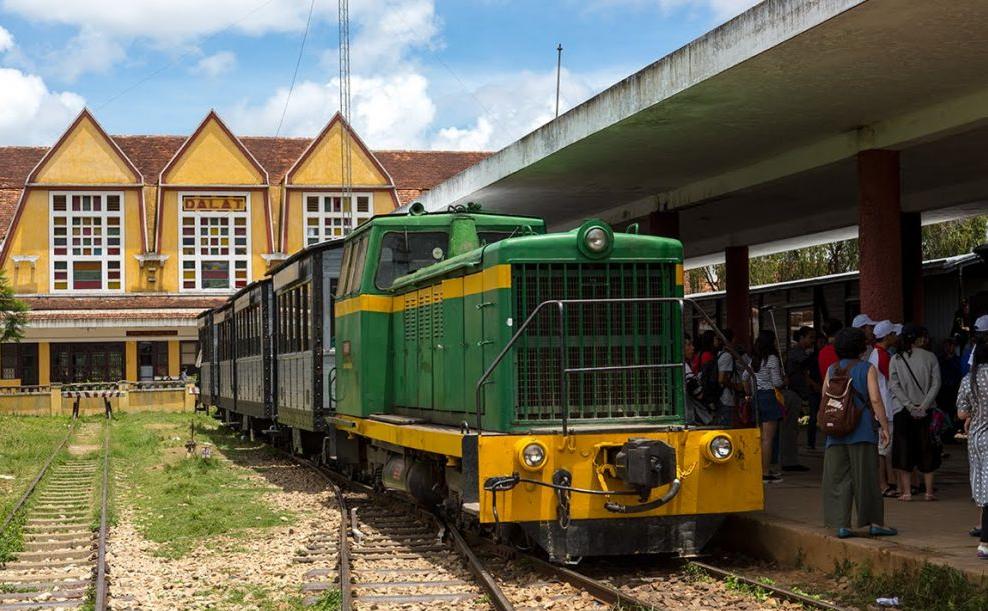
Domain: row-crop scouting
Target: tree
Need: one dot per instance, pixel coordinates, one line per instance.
(939, 240)
(13, 312)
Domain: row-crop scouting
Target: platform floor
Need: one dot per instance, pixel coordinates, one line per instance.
(791, 529)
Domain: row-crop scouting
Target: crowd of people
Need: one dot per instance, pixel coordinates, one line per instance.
(902, 397)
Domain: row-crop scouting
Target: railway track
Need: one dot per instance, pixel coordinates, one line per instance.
(382, 552)
(62, 563)
(386, 553)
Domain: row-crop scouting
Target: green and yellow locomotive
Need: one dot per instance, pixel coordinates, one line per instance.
(522, 380)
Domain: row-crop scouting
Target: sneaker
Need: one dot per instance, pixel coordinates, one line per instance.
(796, 468)
(771, 478)
(882, 531)
(974, 532)
(844, 533)
(982, 552)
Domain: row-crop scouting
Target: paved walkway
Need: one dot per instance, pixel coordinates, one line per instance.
(791, 524)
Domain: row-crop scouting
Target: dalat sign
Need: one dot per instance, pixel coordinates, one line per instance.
(214, 204)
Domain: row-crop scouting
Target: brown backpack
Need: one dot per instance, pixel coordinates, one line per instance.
(839, 415)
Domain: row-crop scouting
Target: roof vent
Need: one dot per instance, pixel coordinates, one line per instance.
(416, 209)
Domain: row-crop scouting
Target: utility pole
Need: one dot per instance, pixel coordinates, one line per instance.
(559, 68)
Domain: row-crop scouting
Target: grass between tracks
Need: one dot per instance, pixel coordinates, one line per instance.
(26, 442)
(180, 502)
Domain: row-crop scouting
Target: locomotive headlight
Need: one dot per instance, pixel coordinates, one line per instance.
(596, 239)
(532, 455)
(718, 447)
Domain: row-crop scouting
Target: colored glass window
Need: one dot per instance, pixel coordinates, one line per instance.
(332, 216)
(87, 241)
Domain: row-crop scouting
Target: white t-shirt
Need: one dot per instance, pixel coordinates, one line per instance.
(892, 407)
(725, 364)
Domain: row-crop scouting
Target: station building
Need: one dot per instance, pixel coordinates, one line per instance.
(116, 243)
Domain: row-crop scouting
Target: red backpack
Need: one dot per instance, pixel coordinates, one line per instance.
(839, 415)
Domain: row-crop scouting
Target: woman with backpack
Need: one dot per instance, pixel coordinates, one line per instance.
(768, 379)
(972, 405)
(914, 379)
(851, 403)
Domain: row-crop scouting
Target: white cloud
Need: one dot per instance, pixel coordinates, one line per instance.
(388, 111)
(6, 40)
(170, 21)
(216, 64)
(719, 10)
(513, 105)
(29, 112)
(89, 51)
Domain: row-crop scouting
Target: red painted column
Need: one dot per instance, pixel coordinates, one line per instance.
(879, 234)
(738, 306)
(912, 267)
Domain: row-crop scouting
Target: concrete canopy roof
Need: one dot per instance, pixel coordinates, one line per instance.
(751, 131)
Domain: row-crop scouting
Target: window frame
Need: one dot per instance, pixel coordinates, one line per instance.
(322, 215)
(199, 258)
(71, 259)
(380, 252)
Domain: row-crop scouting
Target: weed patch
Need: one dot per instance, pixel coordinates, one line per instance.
(182, 501)
(931, 587)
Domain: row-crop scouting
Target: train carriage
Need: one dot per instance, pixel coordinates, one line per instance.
(303, 288)
(254, 372)
(207, 358)
(226, 380)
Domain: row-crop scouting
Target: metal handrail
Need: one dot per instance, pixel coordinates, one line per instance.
(564, 371)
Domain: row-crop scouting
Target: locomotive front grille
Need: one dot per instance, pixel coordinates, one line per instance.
(597, 335)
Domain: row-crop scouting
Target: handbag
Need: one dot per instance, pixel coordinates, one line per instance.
(913, 376)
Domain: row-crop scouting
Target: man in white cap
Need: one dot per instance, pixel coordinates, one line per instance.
(866, 324)
(886, 337)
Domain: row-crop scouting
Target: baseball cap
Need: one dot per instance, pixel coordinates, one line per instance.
(897, 329)
(862, 320)
(884, 328)
(981, 324)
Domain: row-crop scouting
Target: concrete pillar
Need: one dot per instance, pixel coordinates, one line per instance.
(879, 234)
(663, 223)
(738, 306)
(174, 358)
(130, 360)
(912, 266)
(44, 363)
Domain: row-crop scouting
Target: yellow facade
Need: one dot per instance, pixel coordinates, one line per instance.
(86, 162)
(212, 157)
(85, 156)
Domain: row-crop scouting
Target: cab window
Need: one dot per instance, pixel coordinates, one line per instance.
(406, 252)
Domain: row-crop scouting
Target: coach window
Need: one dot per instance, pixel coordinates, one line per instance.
(341, 285)
(403, 253)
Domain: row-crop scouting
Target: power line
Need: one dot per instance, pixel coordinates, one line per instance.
(346, 169)
(298, 63)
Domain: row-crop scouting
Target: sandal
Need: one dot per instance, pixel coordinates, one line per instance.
(905, 498)
(891, 492)
(930, 497)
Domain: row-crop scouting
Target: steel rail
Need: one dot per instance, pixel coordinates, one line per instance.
(343, 549)
(494, 592)
(603, 592)
(100, 602)
(37, 479)
(480, 572)
(774, 590)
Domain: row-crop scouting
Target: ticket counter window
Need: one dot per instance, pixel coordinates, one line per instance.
(152, 360)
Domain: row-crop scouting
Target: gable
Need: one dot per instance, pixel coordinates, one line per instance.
(85, 155)
(320, 164)
(212, 156)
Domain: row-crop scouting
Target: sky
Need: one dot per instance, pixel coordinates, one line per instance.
(425, 74)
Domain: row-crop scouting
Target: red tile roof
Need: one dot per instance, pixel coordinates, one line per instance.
(413, 172)
(122, 302)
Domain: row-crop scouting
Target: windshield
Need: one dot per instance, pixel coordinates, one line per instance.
(406, 252)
